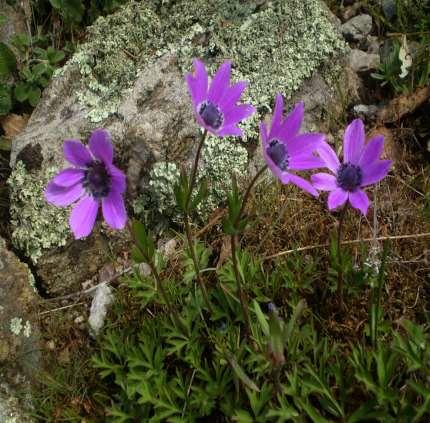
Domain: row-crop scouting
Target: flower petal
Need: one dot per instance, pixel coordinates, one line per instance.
(230, 131)
(114, 211)
(359, 200)
(324, 181)
(353, 142)
(293, 121)
(76, 153)
(238, 113)
(275, 126)
(372, 151)
(83, 217)
(232, 95)
(101, 145)
(63, 196)
(198, 84)
(263, 134)
(337, 198)
(375, 172)
(220, 82)
(118, 179)
(305, 162)
(304, 143)
(69, 177)
(303, 184)
(329, 156)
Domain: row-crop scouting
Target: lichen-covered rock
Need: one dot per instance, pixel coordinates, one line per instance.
(19, 330)
(128, 77)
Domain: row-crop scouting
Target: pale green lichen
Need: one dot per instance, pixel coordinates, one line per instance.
(27, 329)
(108, 63)
(274, 46)
(16, 325)
(221, 158)
(36, 224)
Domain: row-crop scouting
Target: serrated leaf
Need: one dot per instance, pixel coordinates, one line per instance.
(34, 95)
(21, 91)
(5, 100)
(7, 60)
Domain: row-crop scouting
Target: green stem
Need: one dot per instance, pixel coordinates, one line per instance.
(159, 283)
(194, 170)
(187, 221)
(195, 262)
(241, 294)
(339, 255)
(248, 192)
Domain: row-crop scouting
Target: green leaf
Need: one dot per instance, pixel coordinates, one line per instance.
(261, 318)
(143, 241)
(34, 95)
(71, 10)
(5, 100)
(3, 20)
(240, 373)
(7, 60)
(21, 91)
(54, 56)
(39, 69)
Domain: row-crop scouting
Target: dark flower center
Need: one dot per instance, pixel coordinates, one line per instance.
(211, 115)
(349, 177)
(278, 153)
(97, 180)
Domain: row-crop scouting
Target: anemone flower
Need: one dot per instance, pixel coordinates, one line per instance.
(215, 105)
(286, 151)
(92, 180)
(361, 167)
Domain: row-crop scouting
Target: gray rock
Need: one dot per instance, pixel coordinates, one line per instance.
(15, 19)
(373, 44)
(19, 333)
(102, 300)
(129, 78)
(368, 112)
(361, 61)
(357, 28)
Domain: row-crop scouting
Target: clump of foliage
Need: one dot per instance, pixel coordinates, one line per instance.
(405, 62)
(282, 370)
(26, 66)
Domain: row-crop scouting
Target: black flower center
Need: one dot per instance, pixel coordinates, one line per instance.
(211, 115)
(349, 177)
(278, 153)
(97, 180)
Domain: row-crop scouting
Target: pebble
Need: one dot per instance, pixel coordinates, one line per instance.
(368, 112)
(80, 319)
(360, 61)
(357, 28)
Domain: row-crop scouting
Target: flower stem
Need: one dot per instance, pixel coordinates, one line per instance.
(240, 292)
(195, 262)
(187, 221)
(159, 283)
(194, 170)
(339, 255)
(248, 192)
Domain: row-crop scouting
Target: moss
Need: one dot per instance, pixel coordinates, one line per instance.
(36, 224)
(275, 48)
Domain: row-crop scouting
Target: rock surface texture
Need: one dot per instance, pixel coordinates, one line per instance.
(19, 333)
(129, 78)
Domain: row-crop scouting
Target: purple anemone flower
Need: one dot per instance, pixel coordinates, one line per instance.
(361, 167)
(92, 180)
(285, 150)
(216, 105)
